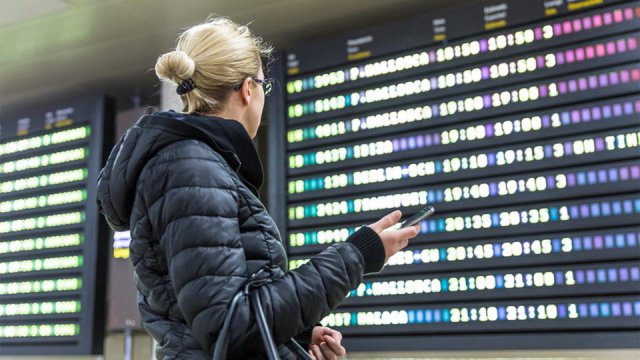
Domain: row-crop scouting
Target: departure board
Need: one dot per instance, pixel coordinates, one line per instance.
(53, 245)
(520, 123)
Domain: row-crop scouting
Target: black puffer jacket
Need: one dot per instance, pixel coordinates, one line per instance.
(186, 188)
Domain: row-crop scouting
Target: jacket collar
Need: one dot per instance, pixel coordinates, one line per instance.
(227, 137)
(232, 138)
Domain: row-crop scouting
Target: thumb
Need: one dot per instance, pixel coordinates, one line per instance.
(386, 221)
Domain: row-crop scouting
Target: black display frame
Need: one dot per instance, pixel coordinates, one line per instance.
(98, 112)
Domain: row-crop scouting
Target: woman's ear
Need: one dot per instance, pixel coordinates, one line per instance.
(245, 91)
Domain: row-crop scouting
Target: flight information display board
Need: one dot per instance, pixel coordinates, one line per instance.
(519, 122)
(53, 245)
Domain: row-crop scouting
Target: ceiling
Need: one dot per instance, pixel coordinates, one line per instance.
(50, 48)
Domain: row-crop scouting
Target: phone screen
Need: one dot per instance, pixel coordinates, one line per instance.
(422, 214)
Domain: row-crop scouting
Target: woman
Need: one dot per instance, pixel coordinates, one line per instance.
(185, 184)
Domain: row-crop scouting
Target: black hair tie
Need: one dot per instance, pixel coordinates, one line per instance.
(185, 87)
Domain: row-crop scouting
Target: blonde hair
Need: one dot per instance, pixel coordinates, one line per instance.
(216, 56)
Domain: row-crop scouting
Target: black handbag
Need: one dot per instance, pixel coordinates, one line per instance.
(222, 344)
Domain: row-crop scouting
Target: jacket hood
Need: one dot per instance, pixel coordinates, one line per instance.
(117, 180)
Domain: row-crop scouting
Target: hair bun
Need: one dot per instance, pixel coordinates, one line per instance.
(175, 66)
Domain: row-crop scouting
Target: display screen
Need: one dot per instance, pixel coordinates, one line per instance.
(52, 252)
(520, 123)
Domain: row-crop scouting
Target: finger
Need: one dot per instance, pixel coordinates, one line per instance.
(386, 221)
(403, 243)
(335, 346)
(313, 357)
(327, 352)
(412, 231)
(317, 352)
(334, 334)
(407, 233)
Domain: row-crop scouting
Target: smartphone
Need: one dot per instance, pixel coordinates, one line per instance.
(420, 215)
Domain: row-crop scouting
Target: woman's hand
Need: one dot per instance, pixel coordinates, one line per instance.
(393, 240)
(325, 344)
